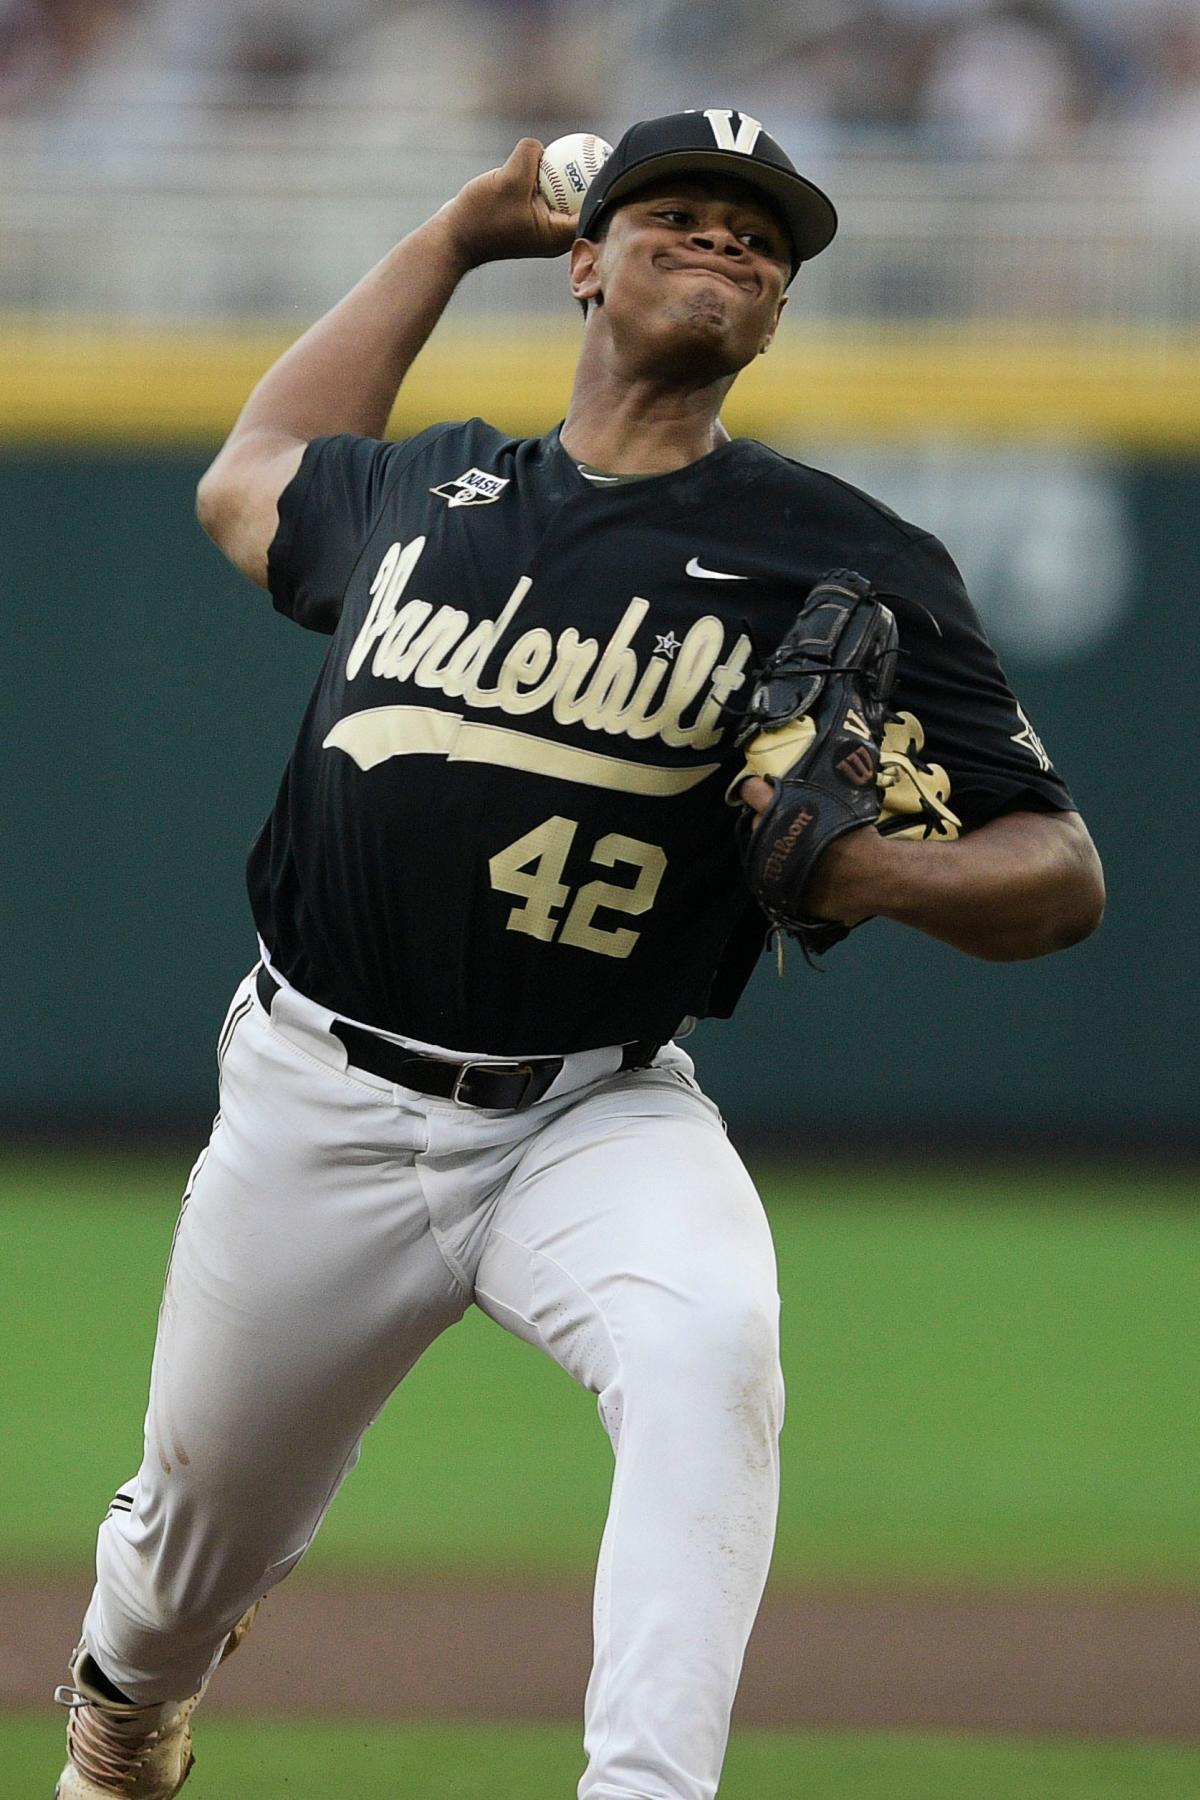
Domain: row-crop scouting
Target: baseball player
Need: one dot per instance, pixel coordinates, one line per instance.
(500, 875)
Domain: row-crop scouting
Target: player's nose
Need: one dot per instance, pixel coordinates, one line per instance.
(718, 240)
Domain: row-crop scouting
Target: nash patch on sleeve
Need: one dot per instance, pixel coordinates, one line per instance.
(474, 487)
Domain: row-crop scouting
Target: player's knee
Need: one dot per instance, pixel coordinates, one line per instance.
(726, 1345)
(183, 1601)
(744, 1326)
(738, 1339)
(188, 1590)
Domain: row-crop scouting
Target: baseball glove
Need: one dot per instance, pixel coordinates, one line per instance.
(813, 729)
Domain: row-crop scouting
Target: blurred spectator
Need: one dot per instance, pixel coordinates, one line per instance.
(271, 44)
(548, 62)
(865, 71)
(27, 52)
(807, 72)
(42, 42)
(1169, 126)
(1013, 77)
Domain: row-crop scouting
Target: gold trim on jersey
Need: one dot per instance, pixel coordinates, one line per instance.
(915, 793)
(372, 737)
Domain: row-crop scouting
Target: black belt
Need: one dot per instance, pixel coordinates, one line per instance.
(499, 1086)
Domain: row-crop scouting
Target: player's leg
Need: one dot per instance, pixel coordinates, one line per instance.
(303, 1284)
(633, 1248)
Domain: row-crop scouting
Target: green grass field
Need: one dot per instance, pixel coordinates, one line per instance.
(272, 1761)
(989, 1378)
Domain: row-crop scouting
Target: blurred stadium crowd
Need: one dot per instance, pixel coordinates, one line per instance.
(998, 76)
(991, 159)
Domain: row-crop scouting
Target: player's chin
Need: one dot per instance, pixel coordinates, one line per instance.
(709, 349)
(704, 326)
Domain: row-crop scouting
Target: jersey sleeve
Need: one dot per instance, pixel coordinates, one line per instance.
(327, 513)
(958, 746)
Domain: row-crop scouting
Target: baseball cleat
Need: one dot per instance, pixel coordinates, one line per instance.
(115, 1748)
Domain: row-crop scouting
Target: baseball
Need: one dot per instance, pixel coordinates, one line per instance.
(567, 168)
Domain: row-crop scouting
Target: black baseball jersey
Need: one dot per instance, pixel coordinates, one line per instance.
(503, 826)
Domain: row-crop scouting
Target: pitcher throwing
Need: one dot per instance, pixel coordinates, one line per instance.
(500, 876)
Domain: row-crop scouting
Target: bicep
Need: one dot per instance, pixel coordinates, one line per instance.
(1046, 839)
(1024, 884)
(1024, 835)
(237, 501)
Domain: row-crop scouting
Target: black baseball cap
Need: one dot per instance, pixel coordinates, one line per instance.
(726, 143)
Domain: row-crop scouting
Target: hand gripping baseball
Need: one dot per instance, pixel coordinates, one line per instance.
(813, 730)
(502, 213)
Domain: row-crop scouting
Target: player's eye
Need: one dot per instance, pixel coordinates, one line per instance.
(674, 215)
(757, 240)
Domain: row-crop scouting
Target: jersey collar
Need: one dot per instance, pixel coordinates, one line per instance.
(728, 466)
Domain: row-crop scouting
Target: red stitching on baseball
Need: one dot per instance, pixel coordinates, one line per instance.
(561, 197)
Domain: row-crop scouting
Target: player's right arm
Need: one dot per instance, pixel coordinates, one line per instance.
(344, 373)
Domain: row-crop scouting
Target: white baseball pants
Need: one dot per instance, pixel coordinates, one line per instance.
(333, 1227)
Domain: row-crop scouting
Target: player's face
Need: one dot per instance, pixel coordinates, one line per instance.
(690, 275)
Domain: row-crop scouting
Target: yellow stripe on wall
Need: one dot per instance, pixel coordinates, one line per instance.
(96, 383)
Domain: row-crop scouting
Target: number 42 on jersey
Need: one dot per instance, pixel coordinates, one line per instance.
(533, 867)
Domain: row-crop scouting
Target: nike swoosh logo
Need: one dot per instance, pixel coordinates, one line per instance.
(697, 569)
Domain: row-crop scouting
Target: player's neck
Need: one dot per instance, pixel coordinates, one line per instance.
(637, 427)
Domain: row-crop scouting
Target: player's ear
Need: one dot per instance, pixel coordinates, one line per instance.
(770, 337)
(585, 270)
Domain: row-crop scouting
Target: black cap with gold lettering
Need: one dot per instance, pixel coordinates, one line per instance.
(721, 141)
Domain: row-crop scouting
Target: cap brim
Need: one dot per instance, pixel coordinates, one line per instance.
(808, 213)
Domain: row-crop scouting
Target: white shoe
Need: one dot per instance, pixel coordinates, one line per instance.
(116, 1748)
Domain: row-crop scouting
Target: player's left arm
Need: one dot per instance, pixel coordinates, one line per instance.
(1023, 885)
(1018, 876)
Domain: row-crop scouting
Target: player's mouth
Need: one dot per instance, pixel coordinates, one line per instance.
(745, 283)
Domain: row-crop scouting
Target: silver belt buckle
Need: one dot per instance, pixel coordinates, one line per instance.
(491, 1068)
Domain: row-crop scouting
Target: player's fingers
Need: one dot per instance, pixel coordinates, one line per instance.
(563, 225)
(557, 231)
(755, 793)
(522, 164)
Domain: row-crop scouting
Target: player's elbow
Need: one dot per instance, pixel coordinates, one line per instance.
(221, 503)
(213, 506)
(237, 500)
(1082, 896)
(226, 512)
(1043, 931)
(1073, 920)
(1069, 906)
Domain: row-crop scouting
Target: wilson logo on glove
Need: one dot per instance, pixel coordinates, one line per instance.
(776, 863)
(859, 766)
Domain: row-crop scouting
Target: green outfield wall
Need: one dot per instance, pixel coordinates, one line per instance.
(150, 697)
